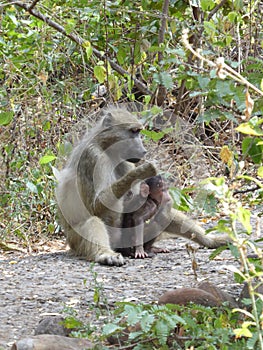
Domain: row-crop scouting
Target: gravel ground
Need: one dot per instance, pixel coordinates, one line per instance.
(36, 285)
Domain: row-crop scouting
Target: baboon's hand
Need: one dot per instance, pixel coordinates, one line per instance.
(146, 170)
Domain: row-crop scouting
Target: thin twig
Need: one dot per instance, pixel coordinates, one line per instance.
(215, 9)
(252, 189)
(220, 65)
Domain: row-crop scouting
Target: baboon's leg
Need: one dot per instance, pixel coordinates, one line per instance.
(175, 224)
(91, 240)
(181, 225)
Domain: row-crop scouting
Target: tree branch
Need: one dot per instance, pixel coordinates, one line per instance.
(33, 5)
(215, 9)
(162, 28)
(161, 91)
(140, 86)
(252, 189)
(222, 68)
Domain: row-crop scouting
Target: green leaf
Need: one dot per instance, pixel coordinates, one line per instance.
(203, 82)
(260, 171)
(13, 19)
(207, 5)
(210, 28)
(46, 125)
(167, 80)
(162, 331)
(70, 26)
(232, 16)
(156, 135)
(146, 322)
(247, 129)
(32, 187)
(110, 328)
(224, 88)
(243, 216)
(100, 73)
(6, 118)
(121, 55)
(252, 342)
(212, 114)
(88, 48)
(71, 322)
(250, 147)
(164, 79)
(47, 159)
(228, 39)
(217, 252)
(133, 314)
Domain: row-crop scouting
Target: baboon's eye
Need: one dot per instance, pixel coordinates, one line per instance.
(135, 130)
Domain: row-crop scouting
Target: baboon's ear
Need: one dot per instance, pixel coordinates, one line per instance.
(107, 120)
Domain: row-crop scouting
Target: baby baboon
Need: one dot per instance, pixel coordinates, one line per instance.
(153, 194)
(92, 186)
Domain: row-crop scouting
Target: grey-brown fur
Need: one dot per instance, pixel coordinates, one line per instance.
(92, 186)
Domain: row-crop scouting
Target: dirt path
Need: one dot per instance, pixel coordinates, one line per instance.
(34, 285)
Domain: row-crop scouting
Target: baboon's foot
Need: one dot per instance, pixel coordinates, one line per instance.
(111, 259)
(213, 241)
(155, 250)
(140, 253)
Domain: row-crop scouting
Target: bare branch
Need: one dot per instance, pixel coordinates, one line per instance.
(215, 9)
(140, 86)
(161, 91)
(33, 5)
(247, 190)
(162, 27)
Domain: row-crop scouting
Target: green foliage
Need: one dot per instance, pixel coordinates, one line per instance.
(48, 158)
(164, 79)
(159, 327)
(181, 199)
(252, 146)
(6, 118)
(155, 135)
(239, 223)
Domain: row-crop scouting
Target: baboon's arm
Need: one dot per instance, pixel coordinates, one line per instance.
(121, 186)
(118, 189)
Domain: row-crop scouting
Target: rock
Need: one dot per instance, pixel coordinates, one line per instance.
(220, 295)
(52, 342)
(52, 325)
(183, 296)
(244, 294)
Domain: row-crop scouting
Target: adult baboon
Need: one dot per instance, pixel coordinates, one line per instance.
(92, 186)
